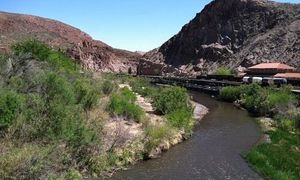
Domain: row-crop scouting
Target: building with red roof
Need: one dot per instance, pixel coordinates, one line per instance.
(290, 76)
(269, 69)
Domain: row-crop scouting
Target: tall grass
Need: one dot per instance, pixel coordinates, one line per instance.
(123, 104)
(280, 159)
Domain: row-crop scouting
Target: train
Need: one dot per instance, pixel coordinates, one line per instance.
(264, 81)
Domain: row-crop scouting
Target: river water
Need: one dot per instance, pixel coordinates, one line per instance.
(213, 152)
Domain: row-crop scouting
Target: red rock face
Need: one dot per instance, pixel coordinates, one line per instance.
(231, 33)
(91, 54)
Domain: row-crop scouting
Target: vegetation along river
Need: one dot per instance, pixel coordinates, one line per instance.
(213, 152)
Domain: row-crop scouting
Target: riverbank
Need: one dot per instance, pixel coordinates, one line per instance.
(213, 152)
(147, 139)
(277, 154)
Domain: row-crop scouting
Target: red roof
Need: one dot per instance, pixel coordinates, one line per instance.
(288, 75)
(272, 66)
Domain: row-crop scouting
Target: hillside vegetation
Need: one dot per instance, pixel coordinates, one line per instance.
(60, 122)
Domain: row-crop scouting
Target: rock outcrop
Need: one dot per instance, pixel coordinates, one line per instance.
(91, 54)
(231, 33)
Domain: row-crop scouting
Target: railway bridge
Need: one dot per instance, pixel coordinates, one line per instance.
(206, 85)
(212, 86)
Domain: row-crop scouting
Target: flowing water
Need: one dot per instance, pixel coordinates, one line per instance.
(213, 152)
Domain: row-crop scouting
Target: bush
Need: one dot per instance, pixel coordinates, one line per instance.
(66, 123)
(230, 93)
(42, 52)
(142, 87)
(258, 100)
(86, 94)
(171, 99)
(156, 134)
(11, 105)
(280, 97)
(256, 103)
(223, 71)
(37, 49)
(23, 161)
(58, 87)
(122, 104)
(108, 87)
(45, 103)
(181, 118)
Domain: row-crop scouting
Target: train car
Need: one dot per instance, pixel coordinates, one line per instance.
(280, 81)
(221, 78)
(267, 81)
(257, 80)
(246, 79)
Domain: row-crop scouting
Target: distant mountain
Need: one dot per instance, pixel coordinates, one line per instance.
(234, 33)
(91, 54)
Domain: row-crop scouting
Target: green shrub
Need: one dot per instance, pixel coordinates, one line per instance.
(143, 87)
(171, 99)
(181, 118)
(11, 105)
(155, 135)
(42, 52)
(256, 103)
(108, 87)
(37, 49)
(258, 100)
(58, 87)
(280, 97)
(128, 95)
(122, 104)
(66, 123)
(86, 94)
(230, 93)
(23, 161)
(223, 71)
(73, 174)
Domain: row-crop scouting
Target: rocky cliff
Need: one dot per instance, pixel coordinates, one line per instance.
(234, 33)
(91, 54)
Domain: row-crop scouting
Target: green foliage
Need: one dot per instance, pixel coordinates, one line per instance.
(108, 87)
(143, 87)
(37, 49)
(230, 93)
(85, 94)
(171, 99)
(257, 103)
(11, 104)
(155, 134)
(47, 104)
(256, 99)
(26, 160)
(122, 104)
(42, 52)
(57, 87)
(280, 159)
(223, 71)
(181, 118)
(73, 174)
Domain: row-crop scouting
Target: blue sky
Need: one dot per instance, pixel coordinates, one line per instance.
(127, 24)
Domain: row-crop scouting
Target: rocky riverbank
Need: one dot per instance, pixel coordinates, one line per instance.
(129, 139)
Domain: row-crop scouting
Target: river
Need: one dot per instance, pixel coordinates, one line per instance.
(213, 152)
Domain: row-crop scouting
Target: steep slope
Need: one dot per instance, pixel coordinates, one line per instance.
(232, 33)
(92, 54)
